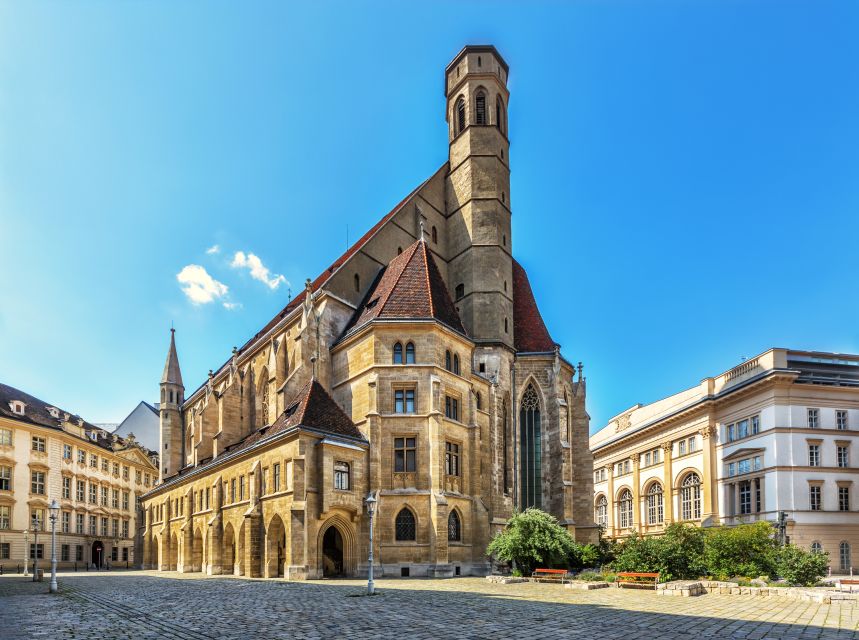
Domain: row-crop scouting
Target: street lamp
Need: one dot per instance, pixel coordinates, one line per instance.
(55, 511)
(26, 553)
(36, 525)
(371, 506)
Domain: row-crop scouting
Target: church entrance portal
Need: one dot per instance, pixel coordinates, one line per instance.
(332, 553)
(98, 554)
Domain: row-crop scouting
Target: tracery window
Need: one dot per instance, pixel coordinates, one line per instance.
(460, 114)
(655, 504)
(405, 525)
(454, 529)
(690, 497)
(480, 107)
(530, 444)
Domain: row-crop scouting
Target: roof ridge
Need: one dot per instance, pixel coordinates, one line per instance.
(429, 284)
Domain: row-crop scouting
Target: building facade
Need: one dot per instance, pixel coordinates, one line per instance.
(48, 454)
(416, 368)
(775, 434)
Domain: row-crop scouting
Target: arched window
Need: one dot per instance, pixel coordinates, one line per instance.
(816, 547)
(478, 400)
(506, 326)
(690, 497)
(601, 511)
(460, 114)
(434, 235)
(568, 426)
(844, 560)
(262, 399)
(405, 525)
(447, 363)
(531, 457)
(460, 291)
(410, 353)
(171, 395)
(624, 509)
(357, 282)
(480, 108)
(454, 529)
(654, 504)
(398, 353)
(456, 363)
(499, 114)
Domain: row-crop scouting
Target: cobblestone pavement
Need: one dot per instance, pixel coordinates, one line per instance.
(170, 605)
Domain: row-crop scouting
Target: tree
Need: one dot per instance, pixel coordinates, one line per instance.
(532, 539)
(800, 567)
(745, 550)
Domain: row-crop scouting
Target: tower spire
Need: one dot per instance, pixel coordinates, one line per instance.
(172, 372)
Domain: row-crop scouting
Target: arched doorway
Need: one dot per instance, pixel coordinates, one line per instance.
(98, 554)
(332, 553)
(229, 550)
(275, 539)
(197, 551)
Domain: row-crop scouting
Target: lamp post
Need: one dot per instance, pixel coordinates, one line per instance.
(371, 506)
(26, 553)
(55, 510)
(35, 548)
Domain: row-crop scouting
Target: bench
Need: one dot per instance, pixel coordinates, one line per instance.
(850, 582)
(551, 575)
(637, 579)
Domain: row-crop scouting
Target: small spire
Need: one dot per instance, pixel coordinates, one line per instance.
(422, 239)
(172, 372)
(580, 367)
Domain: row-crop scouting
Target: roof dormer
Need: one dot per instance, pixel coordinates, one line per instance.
(55, 413)
(17, 407)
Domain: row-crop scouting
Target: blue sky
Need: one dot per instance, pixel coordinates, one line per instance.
(685, 176)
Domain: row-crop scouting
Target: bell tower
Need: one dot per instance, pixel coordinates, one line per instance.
(478, 194)
(170, 412)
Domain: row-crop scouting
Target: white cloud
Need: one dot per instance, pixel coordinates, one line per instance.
(213, 250)
(232, 306)
(257, 269)
(199, 286)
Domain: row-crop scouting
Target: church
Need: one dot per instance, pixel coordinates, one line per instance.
(416, 368)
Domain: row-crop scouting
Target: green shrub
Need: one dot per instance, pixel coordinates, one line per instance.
(534, 539)
(591, 555)
(675, 555)
(800, 567)
(744, 550)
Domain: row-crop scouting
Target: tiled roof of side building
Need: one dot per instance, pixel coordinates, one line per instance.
(322, 278)
(311, 407)
(530, 334)
(411, 286)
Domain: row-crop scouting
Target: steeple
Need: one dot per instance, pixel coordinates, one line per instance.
(172, 373)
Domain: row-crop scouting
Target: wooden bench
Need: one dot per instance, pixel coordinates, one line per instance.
(637, 579)
(552, 575)
(850, 582)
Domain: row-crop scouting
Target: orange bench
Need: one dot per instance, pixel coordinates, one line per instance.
(849, 584)
(637, 579)
(552, 575)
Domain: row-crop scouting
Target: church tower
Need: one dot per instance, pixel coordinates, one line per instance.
(478, 194)
(170, 411)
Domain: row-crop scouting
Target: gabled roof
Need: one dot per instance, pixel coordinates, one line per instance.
(530, 334)
(410, 287)
(312, 408)
(172, 373)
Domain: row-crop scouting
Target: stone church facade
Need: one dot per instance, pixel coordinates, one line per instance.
(416, 368)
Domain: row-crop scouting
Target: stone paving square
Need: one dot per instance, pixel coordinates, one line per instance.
(145, 604)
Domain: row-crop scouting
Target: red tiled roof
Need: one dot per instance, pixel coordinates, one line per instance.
(529, 330)
(410, 286)
(311, 407)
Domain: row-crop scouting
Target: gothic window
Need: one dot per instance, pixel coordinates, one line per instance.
(454, 529)
(460, 291)
(690, 497)
(601, 511)
(480, 108)
(530, 445)
(460, 114)
(504, 428)
(568, 427)
(624, 510)
(405, 525)
(447, 360)
(499, 114)
(456, 364)
(654, 504)
(265, 400)
(478, 400)
(410, 353)
(434, 234)
(357, 282)
(398, 353)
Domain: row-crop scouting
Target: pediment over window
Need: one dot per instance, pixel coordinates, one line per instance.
(744, 453)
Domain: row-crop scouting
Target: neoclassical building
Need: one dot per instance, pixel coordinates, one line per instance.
(776, 434)
(416, 368)
(48, 454)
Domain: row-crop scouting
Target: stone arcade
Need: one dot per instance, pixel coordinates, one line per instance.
(453, 410)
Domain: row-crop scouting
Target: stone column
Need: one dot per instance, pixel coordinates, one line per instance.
(667, 483)
(610, 529)
(637, 522)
